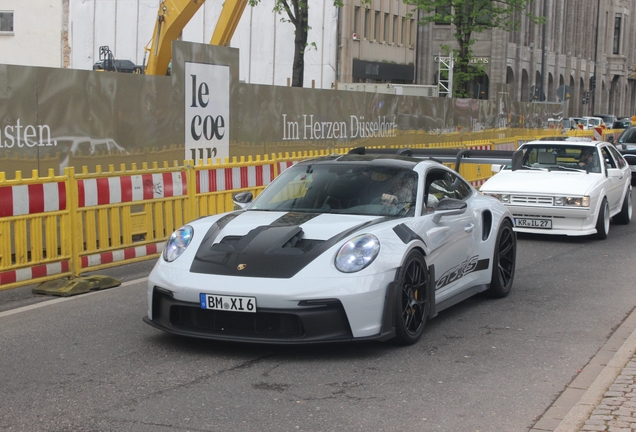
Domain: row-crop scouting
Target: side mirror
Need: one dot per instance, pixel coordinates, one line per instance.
(517, 158)
(449, 207)
(243, 199)
(610, 139)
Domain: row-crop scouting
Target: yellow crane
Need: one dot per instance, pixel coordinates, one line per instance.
(173, 16)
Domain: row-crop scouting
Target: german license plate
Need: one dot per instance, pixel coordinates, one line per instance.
(227, 303)
(533, 223)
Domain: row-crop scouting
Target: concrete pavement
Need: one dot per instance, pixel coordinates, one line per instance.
(603, 395)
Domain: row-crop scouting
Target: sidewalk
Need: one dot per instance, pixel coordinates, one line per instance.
(603, 396)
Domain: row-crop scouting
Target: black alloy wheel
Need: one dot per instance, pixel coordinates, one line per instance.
(504, 258)
(412, 307)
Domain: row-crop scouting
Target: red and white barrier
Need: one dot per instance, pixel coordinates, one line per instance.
(115, 190)
(121, 255)
(222, 179)
(33, 198)
(34, 272)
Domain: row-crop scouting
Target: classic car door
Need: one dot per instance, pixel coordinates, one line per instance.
(615, 178)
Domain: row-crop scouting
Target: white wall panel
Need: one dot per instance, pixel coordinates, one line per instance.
(37, 31)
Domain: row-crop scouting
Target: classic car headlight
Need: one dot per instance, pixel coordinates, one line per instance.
(572, 201)
(357, 253)
(504, 198)
(177, 243)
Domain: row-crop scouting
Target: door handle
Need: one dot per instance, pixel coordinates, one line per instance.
(469, 228)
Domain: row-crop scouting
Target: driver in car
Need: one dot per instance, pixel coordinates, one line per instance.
(588, 160)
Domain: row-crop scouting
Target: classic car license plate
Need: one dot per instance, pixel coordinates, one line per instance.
(228, 303)
(533, 223)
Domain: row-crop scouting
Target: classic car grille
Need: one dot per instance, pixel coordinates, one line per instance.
(254, 324)
(537, 200)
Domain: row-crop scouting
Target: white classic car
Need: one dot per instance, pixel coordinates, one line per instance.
(565, 187)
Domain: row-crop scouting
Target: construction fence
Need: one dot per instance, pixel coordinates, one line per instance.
(62, 226)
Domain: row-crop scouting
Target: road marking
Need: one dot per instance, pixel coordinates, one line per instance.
(64, 299)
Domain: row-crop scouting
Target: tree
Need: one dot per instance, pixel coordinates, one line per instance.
(468, 17)
(297, 13)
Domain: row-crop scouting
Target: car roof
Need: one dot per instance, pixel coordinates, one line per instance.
(395, 161)
(565, 138)
(574, 142)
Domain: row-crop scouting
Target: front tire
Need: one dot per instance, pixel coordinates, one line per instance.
(625, 215)
(412, 306)
(503, 261)
(603, 221)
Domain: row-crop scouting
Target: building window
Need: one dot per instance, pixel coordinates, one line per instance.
(412, 28)
(395, 29)
(386, 28)
(443, 15)
(376, 27)
(367, 23)
(617, 35)
(404, 33)
(356, 20)
(6, 22)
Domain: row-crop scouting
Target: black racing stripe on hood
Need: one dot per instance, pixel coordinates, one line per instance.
(268, 251)
(217, 226)
(294, 218)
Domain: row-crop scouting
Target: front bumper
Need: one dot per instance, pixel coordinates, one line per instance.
(288, 310)
(570, 221)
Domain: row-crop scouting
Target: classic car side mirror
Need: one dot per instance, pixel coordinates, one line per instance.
(517, 158)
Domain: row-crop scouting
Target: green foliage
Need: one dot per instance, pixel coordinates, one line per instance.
(468, 17)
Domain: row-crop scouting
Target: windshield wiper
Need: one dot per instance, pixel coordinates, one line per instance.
(567, 168)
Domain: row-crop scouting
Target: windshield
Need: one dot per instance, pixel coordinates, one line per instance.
(341, 188)
(629, 136)
(560, 157)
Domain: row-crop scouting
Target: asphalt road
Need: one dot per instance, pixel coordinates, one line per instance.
(88, 363)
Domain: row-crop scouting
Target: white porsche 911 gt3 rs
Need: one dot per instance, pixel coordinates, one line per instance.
(339, 248)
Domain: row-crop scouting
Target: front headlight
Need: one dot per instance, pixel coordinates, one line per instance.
(357, 253)
(572, 201)
(504, 198)
(177, 243)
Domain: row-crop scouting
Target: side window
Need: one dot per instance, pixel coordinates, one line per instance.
(607, 158)
(461, 188)
(618, 157)
(443, 184)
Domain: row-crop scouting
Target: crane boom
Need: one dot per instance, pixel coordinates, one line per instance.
(228, 20)
(173, 16)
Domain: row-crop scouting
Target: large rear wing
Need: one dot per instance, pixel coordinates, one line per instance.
(450, 155)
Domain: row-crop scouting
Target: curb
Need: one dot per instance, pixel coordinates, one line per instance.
(586, 391)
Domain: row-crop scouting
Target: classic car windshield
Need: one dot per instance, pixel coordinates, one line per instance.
(554, 156)
(342, 188)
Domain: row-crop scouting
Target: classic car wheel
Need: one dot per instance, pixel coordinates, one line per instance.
(503, 261)
(626, 211)
(603, 221)
(412, 301)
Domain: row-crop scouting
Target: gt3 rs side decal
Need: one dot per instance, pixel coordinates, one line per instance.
(471, 265)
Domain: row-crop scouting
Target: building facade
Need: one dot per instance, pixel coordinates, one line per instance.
(34, 32)
(587, 60)
(583, 56)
